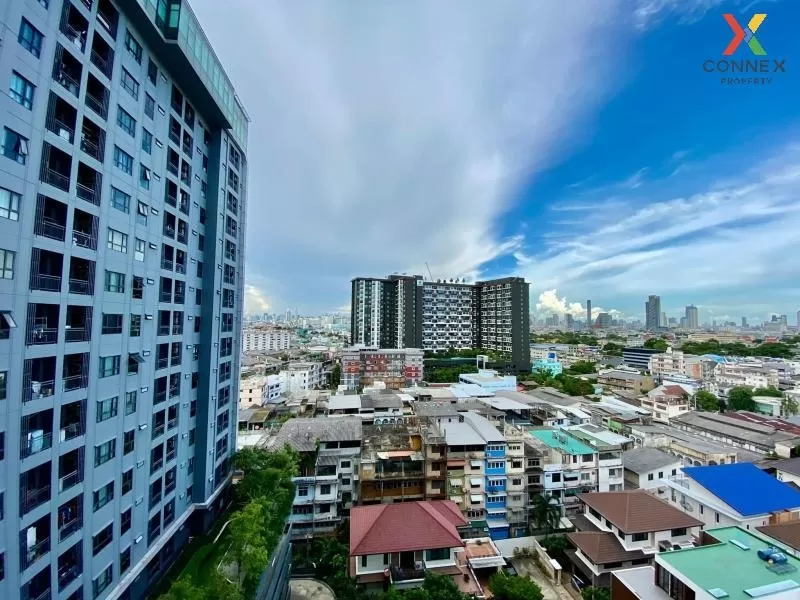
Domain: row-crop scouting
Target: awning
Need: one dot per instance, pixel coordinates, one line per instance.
(8, 319)
(475, 481)
(456, 482)
(137, 357)
(476, 464)
(475, 498)
(496, 511)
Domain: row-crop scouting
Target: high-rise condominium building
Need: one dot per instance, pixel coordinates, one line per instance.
(652, 309)
(122, 205)
(259, 339)
(692, 319)
(589, 322)
(403, 311)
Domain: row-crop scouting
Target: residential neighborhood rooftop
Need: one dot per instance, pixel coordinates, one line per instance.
(733, 566)
(603, 547)
(405, 526)
(643, 460)
(302, 434)
(788, 465)
(786, 533)
(637, 511)
(558, 440)
(746, 488)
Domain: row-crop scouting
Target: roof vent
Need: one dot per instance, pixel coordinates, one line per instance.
(718, 593)
(739, 544)
(772, 588)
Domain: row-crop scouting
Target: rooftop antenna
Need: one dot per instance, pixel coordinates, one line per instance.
(429, 270)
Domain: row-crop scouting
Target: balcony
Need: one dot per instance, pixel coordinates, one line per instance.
(39, 378)
(70, 566)
(174, 131)
(67, 70)
(70, 517)
(89, 181)
(38, 588)
(73, 420)
(173, 161)
(34, 488)
(61, 118)
(84, 230)
(187, 146)
(51, 221)
(93, 141)
(79, 321)
(34, 542)
(186, 173)
(37, 433)
(97, 96)
(42, 325)
(81, 276)
(76, 371)
(70, 470)
(183, 206)
(56, 167)
(407, 574)
(107, 17)
(74, 26)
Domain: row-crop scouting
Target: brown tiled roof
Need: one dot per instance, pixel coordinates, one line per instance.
(637, 511)
(788, 533)
(602, 547)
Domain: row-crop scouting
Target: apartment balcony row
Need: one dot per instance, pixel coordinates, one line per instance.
(35, 486)
(43, 324)
(39, 376)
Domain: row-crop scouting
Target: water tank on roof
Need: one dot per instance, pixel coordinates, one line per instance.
(768, 552)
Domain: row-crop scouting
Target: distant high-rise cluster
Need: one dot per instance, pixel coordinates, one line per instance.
(406, 311)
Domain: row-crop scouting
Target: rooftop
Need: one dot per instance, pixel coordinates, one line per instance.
(344, 402)
(504, 404)
(544, 393)
(383, 400)
(643, 460)
(485, 429)
(727, 566)
(746, 488)
(618, 374)
(638, 511)
(735, 427)
(560, 441)
(434, 408)
(640, 580)
(302, 434)
(600, 434)
(405, 526)
(602, 547)
(788, 465)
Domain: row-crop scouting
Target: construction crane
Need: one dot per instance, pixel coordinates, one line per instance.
(429, 270)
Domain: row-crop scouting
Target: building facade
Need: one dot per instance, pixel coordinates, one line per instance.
(362, 367)
(302, 376)
(122, 202)
(266, 340)
(652, 310)
(403, 311)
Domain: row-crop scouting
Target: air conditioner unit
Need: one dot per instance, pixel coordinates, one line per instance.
(138, 501)
(143, 426)
(140, 464)
(138, 539)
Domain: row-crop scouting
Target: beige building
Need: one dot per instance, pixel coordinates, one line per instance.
(626, 380)
(252, 391)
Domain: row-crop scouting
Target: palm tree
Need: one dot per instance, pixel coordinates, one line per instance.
(545, 513)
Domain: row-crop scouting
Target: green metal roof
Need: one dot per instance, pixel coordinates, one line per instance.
(727, 566)
(562, 442)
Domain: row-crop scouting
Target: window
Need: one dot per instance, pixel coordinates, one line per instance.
(128, 441)
(125, 521)
(109, 366)
(123, 161)
(141, 213)
(144, 177)
(147, 141)
(152, 71)
(120, 200)
(15, 146)
(21, 90)
(129, 84)
(103, 496)
(364, 561)
(681, 531)
(130, 402)
(126, 122)
(661, 474)
(102, 581)
(639, 537)
(437, 554)
(3, 390)
(107, 408)
(7, 258)
(9, 204)
(325, 489)
(649, 477)
(30, 38)
(117, 240)
(138, 288)
(198, 299)
(112, 323)
(127, 481)
(138, 249)
(104, 452)
(115, 282)
(345, 464)
(149, 106)
(716, 517)
(133, 47)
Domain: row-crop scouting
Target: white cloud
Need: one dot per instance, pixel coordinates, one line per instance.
(551, 303)
(255, 302)
(388, 134)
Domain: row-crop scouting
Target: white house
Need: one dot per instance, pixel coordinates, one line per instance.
(666, 402)
(302, 376)
(645, 468)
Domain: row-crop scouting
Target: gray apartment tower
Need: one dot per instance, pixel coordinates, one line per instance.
(406, 311)
(692, 317)
(122, 218)
(589, 322)
(652, 309)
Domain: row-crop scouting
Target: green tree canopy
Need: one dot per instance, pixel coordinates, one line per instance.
(544, 513)
(582, 367)
(789, 407)
(595, 593)
(768, 391)
(612, 349)
(656, 344)
(505, 587)
(707, 401)
(741, 398)
(336, 376)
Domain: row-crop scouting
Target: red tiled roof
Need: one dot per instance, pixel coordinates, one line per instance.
(405, 526)
(673, 390)
(778, 424)
(637, 511)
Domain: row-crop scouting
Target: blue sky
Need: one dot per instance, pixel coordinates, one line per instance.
(585, 150)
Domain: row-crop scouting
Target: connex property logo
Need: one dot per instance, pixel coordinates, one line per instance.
(747, 71)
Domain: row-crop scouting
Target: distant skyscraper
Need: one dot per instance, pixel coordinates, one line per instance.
(570, 322)
(692, 320)
(652, 309)
(744, 320)
(603, 320)
(784, 321)
(798, 320)
(588, 314)
(662, 322)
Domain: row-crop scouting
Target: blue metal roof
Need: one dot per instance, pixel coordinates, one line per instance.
(746, 488)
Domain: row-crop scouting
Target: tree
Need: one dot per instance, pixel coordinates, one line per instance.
(741, 398)
(505, 587)
(250, 543)
(770, 391)
(595, 593)
(183, 589)
(582, 367)
(544, 513)
(705, 400)
(336, 376)
(789, 407)
(267, 474)
(612, 349)
(656, 344)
